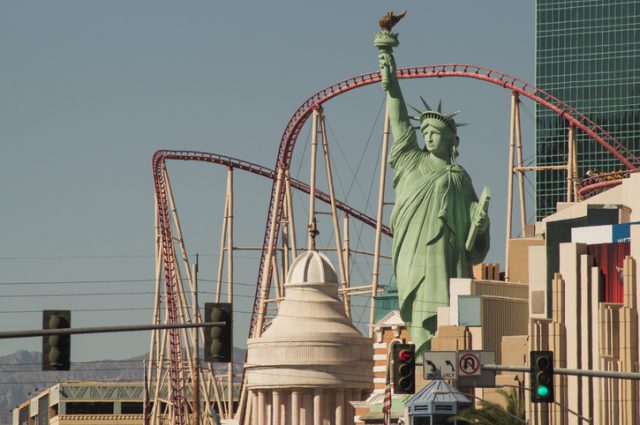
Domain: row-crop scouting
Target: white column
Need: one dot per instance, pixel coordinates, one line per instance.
(254, 408)
(348, 410)
(275, 407)
(269, 408)
(262, 408)
(339, 413)
(295, 407)
(308, 408)
(317, 406)
(284, 408)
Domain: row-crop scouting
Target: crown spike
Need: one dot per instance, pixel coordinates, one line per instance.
(440, 106)
(453, 114)
(415, 109)
(426, 105)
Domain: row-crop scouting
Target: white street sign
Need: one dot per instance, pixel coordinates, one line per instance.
(440, 365)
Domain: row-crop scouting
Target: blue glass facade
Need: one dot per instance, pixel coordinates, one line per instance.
(588, 55)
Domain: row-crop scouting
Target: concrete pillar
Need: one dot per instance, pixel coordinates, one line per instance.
(339, 412)
(268, 395)
(317, 406)
(275, 407)
(262, 408)
(348, 409)
(284, 408)
(308, 408)
(254, 408)
(295, 407)
(246, 420)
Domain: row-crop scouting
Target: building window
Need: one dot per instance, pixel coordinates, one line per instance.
(89, 408)
(131, 408)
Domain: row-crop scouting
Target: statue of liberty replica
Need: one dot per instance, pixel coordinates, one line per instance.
(440, 229)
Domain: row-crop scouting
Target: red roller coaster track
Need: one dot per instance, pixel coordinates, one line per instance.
(290, 135)
(161, 156)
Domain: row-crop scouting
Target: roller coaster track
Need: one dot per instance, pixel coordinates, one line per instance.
(168, 249)
(292, 130)
(260, 170)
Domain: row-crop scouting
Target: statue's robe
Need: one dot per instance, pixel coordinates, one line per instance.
(430, 223)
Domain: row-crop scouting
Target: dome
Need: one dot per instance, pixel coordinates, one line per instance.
(311, 342)
(312, 266)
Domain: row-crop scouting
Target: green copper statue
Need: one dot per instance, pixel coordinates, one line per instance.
(440, 230)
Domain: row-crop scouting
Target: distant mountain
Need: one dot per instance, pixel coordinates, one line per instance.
(21, 376)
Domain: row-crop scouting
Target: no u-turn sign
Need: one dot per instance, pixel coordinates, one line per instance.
(468, 364)
(470, 372)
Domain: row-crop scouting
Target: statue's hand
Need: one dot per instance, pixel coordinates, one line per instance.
(481, 220)
(387, 69)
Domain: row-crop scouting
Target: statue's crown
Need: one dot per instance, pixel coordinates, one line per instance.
(429, 113)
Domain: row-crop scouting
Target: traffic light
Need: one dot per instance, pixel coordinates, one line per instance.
(404, 368)
(218, 340)
(56, 349)
(541, 376)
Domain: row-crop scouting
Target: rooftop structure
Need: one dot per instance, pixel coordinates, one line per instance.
(311, 361)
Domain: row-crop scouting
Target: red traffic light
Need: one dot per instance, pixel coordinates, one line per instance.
(405, 356)
(404, 379)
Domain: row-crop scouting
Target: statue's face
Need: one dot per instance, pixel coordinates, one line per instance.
(438, 139)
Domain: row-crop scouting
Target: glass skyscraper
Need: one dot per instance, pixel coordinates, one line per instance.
(587, 55)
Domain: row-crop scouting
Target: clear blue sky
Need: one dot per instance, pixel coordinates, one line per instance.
(89, 90)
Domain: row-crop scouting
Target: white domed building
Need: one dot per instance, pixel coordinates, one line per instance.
(311, 361)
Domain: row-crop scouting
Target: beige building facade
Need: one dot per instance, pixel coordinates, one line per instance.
(571, 315)
(311, 362)
(84, 403)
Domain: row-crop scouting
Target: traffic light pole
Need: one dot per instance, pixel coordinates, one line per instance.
(104, 329)
(563, 371)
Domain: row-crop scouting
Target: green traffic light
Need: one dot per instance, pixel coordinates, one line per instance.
(543, 391)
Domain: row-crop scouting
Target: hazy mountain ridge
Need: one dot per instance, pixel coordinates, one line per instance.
(21, 376)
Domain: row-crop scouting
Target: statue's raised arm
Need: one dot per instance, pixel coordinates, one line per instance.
(385, 41)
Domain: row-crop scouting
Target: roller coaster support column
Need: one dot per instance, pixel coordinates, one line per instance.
(334, 213)
(264, 285)
(223, 237)
(229, 218)
(518, 130)
(311, 243)
(345, 254)
(195, 392)
(154, 345)
(572, 164)
(376, 255)
(290, 217)
(515, 147)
